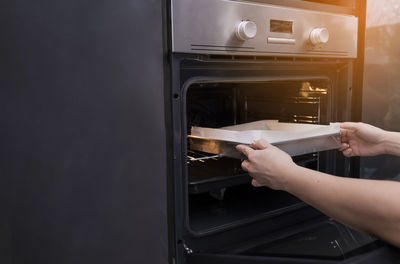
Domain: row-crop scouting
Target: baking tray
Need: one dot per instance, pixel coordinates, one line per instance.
(295, 139)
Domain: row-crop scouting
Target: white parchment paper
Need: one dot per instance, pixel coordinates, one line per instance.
(270, 130)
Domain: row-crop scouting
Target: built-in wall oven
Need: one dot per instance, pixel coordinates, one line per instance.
(235, 62)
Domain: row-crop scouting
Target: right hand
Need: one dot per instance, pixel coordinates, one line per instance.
(267, 165)
(359, 139)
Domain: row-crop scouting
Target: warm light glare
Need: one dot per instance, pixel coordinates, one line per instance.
(382, 12)
(381, 91)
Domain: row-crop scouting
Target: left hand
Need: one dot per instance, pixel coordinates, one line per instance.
(267, 165)
(359, 139)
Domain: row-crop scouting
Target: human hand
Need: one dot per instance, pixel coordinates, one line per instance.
(359, 139)
(267, 165)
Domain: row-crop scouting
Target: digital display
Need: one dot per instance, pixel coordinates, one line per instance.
(281, 26)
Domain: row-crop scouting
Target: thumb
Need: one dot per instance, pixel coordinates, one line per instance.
(349, 125)
(344, 134)
(260, 144)
(255, 183)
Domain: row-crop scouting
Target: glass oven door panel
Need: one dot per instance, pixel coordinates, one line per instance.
(220, 194)
(223, 104)
(327, 240)
(324, 241)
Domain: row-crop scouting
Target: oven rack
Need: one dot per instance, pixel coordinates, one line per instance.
(193, 156)
(292, 114)
(208, 172)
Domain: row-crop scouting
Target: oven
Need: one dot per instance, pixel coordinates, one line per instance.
(235, 62)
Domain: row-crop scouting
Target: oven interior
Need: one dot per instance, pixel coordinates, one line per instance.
(219, 191)
(223, 213)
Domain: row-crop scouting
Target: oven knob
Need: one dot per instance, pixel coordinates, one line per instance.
(319, 36)
(246, 30)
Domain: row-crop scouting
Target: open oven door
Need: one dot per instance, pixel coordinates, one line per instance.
(321, 240)
(381, 255)
(321, 244)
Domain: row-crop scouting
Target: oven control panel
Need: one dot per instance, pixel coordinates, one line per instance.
(243, 28)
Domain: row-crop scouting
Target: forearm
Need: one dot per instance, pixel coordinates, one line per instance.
(392, 143)
(367, 205)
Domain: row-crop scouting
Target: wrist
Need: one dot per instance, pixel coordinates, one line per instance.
(290, 175)
(391, 143)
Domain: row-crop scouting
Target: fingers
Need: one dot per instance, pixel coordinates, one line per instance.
(348, 152)
(255, 183)
(260, 144)
(344, 135)
(244, 149)
(245, 165)
(343, 147)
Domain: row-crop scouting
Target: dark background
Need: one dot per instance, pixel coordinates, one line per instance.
(83, 167)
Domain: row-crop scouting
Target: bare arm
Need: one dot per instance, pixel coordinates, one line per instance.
(367, 205)
(359, 139)
(392, 143)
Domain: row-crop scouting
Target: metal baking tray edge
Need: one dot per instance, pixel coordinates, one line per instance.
(293, 147)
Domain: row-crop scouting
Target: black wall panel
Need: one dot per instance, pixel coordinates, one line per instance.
(83, 167)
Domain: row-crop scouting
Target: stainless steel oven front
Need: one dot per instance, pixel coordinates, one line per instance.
(253, 28)
(241, 61)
